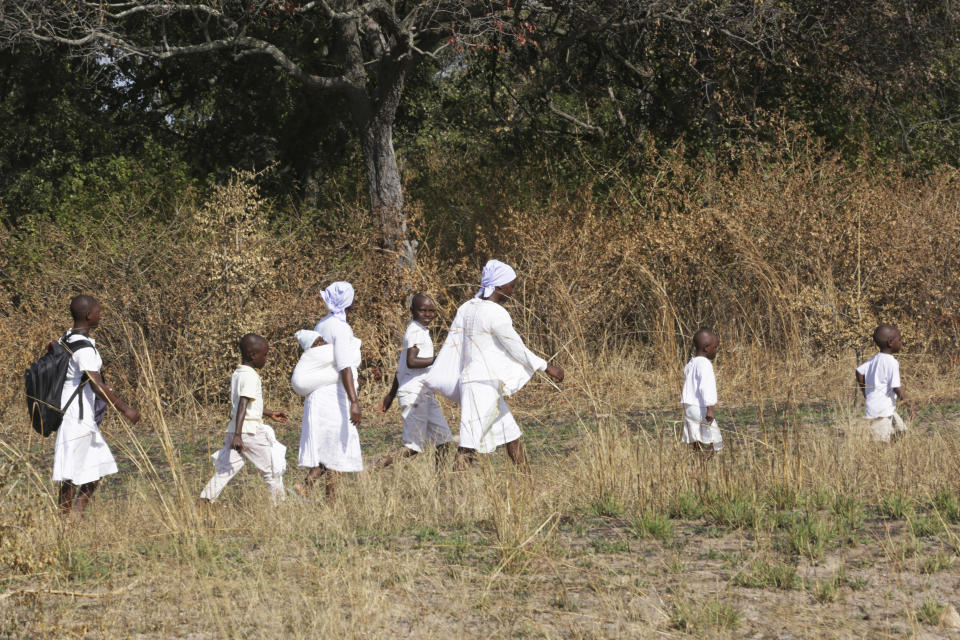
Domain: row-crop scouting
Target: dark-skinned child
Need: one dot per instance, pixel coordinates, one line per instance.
(248, 437)
(423, 422)
(699, 396)
(81, 456)
(879, 380)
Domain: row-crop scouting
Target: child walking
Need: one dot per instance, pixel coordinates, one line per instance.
(423, 421)
(879, 381)
(699, 395)
(81, 456)
(248, 437)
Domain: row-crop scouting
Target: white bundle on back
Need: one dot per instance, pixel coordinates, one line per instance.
(315, 369)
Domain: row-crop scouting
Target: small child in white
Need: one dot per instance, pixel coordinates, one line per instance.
(252, 440)
(423, 421)
(699, 395)
(879, 381)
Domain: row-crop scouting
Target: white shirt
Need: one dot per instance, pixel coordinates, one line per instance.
(699, 383)
(882, 375)
(85, 359)
(411, 380)
(346, 348)
(492, 348)
(245, 383)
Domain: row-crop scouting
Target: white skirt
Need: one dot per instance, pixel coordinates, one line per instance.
(328, 438)
(81, 455)
(695, 428)
(485, 420)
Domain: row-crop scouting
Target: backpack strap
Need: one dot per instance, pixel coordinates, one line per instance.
(77, 345)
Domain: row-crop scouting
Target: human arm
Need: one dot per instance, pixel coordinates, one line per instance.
(862, 384)
(710, 416)
(414, 361)
(237, 444)
(278, 416)
(555, 372)
(388, 399)
(346, 377)
(104, 390)
(501, 328)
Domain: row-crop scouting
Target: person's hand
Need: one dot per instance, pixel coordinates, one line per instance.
(131, 414)
(710, 416)
(555, 372)
(384, 404)
(279, 416)
(237, 444)
(355, 415)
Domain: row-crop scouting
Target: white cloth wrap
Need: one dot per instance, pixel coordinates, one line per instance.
(495, 274)
(306, 338)
(338, 296)
(695, 428)
(315, 369)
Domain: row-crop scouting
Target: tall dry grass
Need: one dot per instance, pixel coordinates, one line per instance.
(792, 260)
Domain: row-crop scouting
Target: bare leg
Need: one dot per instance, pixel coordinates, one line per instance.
(84, 495)
(65, 499)
(443, 452)
(464, 459)
(303, 489)
(518, 455)
(402, 452)
(333, 483)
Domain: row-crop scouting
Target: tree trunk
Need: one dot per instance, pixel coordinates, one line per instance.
(385, 188)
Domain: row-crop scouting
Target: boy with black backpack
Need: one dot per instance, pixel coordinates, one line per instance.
(81, 455)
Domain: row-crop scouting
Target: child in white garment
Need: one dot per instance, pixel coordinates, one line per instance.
(423, 421)
(879, 381)
(699, 395)
(248, 437)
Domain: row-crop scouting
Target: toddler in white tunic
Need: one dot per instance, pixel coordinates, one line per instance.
(699, 394)
(260, 445)
(81, 455)
(879, 380)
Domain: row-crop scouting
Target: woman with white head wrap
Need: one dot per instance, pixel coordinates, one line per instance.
(483, 360)
(329, 442)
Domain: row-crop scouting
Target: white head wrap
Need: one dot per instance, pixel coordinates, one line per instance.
(495, 274)
(338, 296)
(306, 338)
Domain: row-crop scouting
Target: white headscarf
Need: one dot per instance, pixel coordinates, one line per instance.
(306, 338)
(338, 296)
(495, 274)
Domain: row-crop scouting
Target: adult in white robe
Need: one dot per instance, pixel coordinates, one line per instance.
(329, 441)
(483, 360)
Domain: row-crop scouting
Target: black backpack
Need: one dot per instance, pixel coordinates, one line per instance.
(44, 384)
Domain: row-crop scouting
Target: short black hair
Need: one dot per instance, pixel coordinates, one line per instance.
(251, 344)
(702, 338)
(883, 333)
(81, 305)
(417, 298)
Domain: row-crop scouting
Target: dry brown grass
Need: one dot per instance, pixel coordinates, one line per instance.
(792, 261)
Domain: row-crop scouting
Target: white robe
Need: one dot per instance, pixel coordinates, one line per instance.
(328, 437)
(482, 360)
